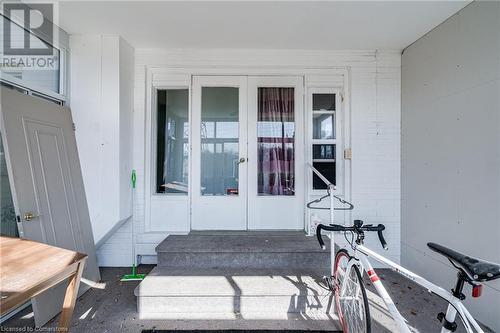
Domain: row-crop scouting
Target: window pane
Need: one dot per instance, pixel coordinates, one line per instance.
(36, 70)
(8, 224)
(327, 169)
(323, 152)
(324, 102)
(172, 141)
(276, 141)
(323, 126)
(219, 140)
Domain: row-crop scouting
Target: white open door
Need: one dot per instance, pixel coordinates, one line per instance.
(47, 184)
(276, 182)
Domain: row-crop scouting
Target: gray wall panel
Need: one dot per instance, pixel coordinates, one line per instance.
(451, 148)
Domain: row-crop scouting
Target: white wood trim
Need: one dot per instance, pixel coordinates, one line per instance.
(177, 81)
(342, 139)
(346, 110)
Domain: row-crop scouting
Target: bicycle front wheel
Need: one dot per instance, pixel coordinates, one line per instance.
(350, 295)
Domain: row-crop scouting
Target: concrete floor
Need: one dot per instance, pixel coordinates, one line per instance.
(113, 309)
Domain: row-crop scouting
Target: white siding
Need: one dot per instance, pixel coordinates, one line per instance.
(451, 149)
(375, 108)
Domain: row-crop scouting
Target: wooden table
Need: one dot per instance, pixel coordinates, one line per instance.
(28, 268)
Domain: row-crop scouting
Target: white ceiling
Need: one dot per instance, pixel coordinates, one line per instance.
(257, 24)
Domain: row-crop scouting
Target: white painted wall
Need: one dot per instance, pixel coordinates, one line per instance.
(451, 149)
(126, 97)
(101, 103)
(374, 79)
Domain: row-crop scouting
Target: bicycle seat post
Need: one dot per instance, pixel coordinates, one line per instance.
(448, 319)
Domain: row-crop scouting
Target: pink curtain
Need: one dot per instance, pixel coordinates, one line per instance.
(276, 133)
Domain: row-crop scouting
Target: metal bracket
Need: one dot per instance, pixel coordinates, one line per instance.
(348, 154)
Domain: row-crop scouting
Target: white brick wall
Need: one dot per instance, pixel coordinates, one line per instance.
(375, 138)
(375, 132)
(117, 251)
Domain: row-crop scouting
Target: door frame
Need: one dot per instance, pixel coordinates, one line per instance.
(248, 138)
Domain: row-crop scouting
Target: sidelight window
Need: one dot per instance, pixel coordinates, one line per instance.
(324, 136)
(172, 145)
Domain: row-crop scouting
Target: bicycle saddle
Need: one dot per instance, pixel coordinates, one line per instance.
(477, 269)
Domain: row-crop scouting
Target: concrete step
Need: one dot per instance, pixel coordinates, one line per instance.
(214, 293)
(290, 250)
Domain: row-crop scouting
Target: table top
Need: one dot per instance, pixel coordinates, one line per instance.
(26, 264)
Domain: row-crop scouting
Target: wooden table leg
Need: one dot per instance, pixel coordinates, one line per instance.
(70, 299)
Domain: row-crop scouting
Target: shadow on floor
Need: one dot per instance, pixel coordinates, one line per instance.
(113, 309)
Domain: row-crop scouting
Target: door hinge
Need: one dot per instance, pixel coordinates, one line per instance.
(347, 153)
(74, 127)
(342, 98)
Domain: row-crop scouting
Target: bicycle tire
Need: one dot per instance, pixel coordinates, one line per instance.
(352, 301)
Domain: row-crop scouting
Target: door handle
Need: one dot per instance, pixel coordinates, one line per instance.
(29, 216)
(242, 160)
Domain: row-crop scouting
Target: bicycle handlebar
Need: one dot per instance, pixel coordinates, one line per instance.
(381, 238)
(357, 228)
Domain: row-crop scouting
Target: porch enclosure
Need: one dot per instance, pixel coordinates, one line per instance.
(168, 99)
(325, 135)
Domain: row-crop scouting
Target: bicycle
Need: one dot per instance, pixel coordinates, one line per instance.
(350, 294)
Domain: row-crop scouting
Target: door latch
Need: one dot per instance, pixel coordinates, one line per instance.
(29, 216)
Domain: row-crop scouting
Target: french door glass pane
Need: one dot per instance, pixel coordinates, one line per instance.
(276, 141)
(219, 140)
(172, 144)
(8, 224)
(323, 152)
(323, 102)
(323, 126)
(327, 169)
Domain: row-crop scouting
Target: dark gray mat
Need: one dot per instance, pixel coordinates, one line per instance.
(234, 331)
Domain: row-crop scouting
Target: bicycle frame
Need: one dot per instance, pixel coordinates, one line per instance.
(362, 253)
(455, 306)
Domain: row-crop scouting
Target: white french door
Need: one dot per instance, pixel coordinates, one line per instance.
(247, 153)
(219, 153)
(275, 153)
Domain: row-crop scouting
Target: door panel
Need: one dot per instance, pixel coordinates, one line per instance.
(46, 147)
(47, 182)
(219, 186)
(275, 153)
